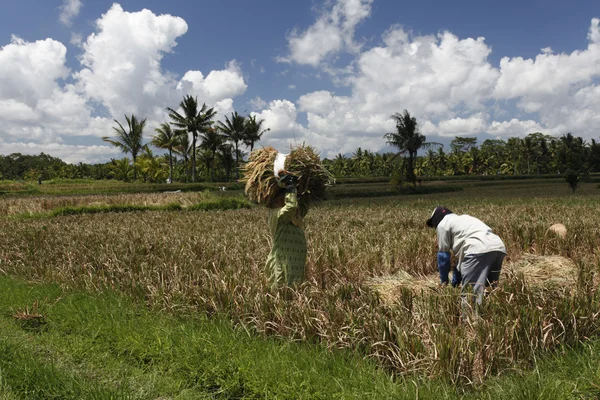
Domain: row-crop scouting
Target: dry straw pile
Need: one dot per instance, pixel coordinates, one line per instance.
(390, 288)
(302, 162)
(544, 272)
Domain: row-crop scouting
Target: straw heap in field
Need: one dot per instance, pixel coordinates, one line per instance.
(548, 272)
(390, 287)
(557, 229)
(303, 162)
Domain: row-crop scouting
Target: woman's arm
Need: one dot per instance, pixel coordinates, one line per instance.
(290, 207)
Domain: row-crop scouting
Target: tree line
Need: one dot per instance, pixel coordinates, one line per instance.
(197, 147)
(536, 154)
(567, 155)
(218, 144)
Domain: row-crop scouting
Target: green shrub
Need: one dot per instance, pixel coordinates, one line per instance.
(224, 203)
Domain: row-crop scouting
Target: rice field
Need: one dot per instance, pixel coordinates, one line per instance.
(40, 204)
(212, 263)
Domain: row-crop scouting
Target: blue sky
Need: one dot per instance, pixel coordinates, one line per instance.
(329, 73)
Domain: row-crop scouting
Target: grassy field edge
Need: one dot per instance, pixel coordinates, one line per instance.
(66, 344)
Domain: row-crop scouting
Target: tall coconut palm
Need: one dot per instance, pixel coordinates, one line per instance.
(166, 138)
(204, 157)
(529, 149)
(226, 159)
(513, 151)
(194, 121)
(407, 139)
(234, 130)
(254, 131)
(212, 139)
(183, 147)
(130, 140)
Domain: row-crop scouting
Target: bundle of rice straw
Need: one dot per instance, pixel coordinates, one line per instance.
(302, 162)
(545, 271)
(542, 272)
(390, 287)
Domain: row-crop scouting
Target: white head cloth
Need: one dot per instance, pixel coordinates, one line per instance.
(279, 163)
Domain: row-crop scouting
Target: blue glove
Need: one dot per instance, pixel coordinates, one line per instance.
(443, 260)
(456, 278)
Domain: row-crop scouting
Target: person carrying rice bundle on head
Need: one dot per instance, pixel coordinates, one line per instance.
(480, 253)
(287, 259)
(286, 185)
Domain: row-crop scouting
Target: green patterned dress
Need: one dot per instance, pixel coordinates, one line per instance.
(286, 262)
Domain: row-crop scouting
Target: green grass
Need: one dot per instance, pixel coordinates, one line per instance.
(61, 187)
(106, 346)
(362, 190)
(102, 345)
(223, 203)
(568, 374)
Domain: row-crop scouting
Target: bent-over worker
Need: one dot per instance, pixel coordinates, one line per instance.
(480, 252)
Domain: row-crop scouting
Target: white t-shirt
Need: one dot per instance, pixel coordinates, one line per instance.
(464, 235)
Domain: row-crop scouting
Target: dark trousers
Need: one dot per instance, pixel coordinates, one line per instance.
(479, 271)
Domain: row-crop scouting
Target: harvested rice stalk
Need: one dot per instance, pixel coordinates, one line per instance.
(545, 271)
(303, 162)
(261, 184)
(390, 287)
(540, 272)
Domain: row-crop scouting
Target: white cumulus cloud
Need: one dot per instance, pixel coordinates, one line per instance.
(257, 103)
(69, 10)
(121, 62)
(134, 82)
(43, 104)
(217, 85)
(331, 33)
(514, 127)
(461, 126)
(449, 84)
(280, 117)
(34, 105)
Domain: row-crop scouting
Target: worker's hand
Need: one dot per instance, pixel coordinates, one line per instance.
(280, 182)
(456, 278)
(288, 180)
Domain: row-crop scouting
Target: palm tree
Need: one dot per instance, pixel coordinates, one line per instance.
(194, 121)
(183, 147)
(121, 169)
(340, 165)
(212, 139)
(254, 131)
(129, 141)
(234, 130)
(572, 152)
(166, 138)
(204, 156)
(431, 162)
(226, 159)
(594, 157)
(528, 147)
(407, 139)
(154, 169)
(513, 151)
